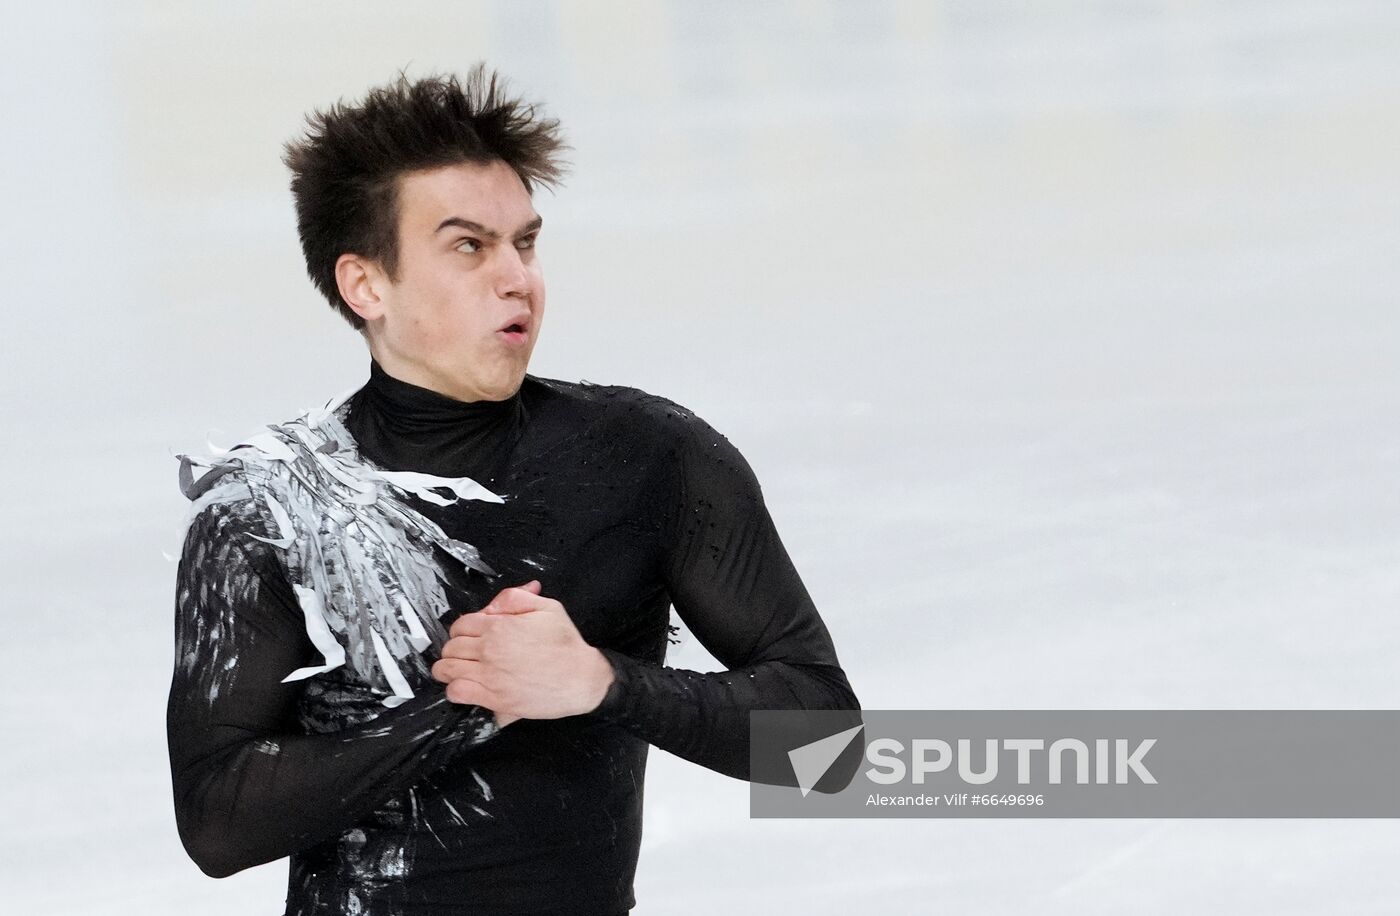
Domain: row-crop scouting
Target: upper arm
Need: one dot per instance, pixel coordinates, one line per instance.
(730, 577)
(238, 631)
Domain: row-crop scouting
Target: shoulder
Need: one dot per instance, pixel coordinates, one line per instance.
(231, 492)
(227, 504)
(583, 396)
(686, 453)
(626, 410)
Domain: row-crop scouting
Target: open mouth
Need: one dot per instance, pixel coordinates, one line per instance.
(516, 333)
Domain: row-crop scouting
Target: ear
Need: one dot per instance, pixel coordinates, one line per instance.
(361, 282)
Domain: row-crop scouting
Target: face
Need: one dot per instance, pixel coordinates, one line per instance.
(465, 310)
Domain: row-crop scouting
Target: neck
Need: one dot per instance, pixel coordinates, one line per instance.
(403, 426)
(421, 376)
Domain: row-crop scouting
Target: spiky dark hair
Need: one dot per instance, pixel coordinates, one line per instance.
(345, 168)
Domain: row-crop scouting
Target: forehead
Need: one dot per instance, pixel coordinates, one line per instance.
(487, 193)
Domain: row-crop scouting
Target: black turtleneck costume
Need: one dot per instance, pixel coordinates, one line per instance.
(621, 503)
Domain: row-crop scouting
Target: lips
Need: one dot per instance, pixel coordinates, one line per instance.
(516, 331)
(520, 324)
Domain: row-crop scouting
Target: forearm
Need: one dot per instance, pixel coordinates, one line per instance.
(704, 716)
(243, 797)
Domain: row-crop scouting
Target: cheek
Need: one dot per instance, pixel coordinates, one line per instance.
(428, 309)
(413, 326)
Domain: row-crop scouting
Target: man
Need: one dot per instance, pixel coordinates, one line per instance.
(419, 633)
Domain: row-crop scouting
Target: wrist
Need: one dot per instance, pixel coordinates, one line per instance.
(599, 680)
(615, 699)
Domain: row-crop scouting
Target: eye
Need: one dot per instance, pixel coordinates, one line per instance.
(526, 242)
(469, 245)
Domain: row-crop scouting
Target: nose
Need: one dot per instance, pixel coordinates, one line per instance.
(512, 276)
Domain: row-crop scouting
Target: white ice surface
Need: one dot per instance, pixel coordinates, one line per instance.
(1062, 337)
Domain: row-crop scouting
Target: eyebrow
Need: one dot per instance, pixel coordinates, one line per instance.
(471, 226)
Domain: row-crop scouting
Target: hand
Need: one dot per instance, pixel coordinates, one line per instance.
(523, 658)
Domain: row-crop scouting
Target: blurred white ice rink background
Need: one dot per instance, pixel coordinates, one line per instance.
(1062, 337)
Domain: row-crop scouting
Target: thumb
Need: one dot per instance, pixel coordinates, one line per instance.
(507, 603)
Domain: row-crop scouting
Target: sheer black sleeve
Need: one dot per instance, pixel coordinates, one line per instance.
(733, 584)
(249, 786)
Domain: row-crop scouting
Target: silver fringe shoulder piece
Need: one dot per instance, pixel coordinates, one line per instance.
(360, 558)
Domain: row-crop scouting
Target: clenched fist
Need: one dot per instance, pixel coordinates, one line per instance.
(523, 658)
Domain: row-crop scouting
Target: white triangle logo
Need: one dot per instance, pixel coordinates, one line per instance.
(811, 761)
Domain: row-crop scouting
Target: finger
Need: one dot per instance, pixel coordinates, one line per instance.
(462, 647)
(464, 690)
(473, 624)
(446, 670)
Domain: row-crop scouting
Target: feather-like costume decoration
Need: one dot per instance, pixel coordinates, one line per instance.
(360, 558)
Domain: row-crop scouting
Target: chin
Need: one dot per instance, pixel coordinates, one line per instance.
(504, 389)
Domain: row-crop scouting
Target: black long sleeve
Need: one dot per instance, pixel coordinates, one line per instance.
(249, 786)
(733, 583)
(622, 504)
